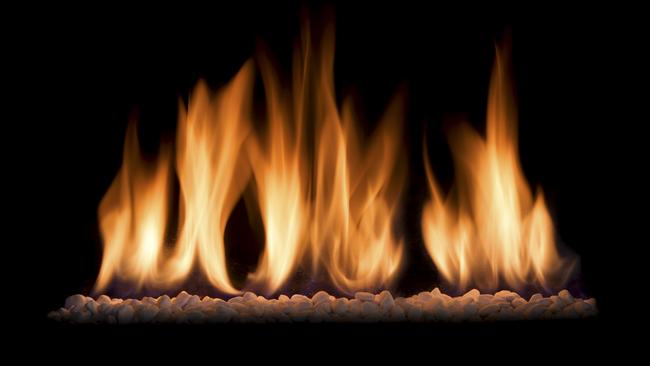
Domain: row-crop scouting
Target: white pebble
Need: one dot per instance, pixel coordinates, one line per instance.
(103, 299)
(193, 300)
(387, 302)
(364, 296)
(249, 296)
(472, 294)
(366, 307)
(535, 310)
(75, 300)
(92, 307)
(341, 306)
(566, 295)
(302, 298)
(425, 296)
(518, 302)
(125, 314)
(319, 297)
(181, 299)
(489, 309)
(147, 313)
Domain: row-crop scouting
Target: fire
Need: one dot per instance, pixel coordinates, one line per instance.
(132, 216)
(331, 208)
(338, 208)
(356, 190)
(133, 212)
(493, 229)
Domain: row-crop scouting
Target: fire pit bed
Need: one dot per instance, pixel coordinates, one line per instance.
(322, 307)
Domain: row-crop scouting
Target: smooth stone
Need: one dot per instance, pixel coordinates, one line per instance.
(340, 306)
(534, 311)
(472, 294)
(181, 299)
(283, 298)
(147, 313)
(164, 301)
(75, 300)
(92, 307)
(364, 296)
(302, 298)
(319, 297)
(566, 295)
(249, 296)
(103, 299)
(387, 302)
(489, 309)
(518, 302)
(125, 314)
(425, 296)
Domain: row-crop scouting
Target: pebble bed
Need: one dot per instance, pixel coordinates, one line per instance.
(322, 307)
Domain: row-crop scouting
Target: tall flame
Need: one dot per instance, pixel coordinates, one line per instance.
(340, 210)
(332, 208)
(496, 230)
(356, 190)
(211, 175)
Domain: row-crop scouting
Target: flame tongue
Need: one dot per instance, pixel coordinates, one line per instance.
(344, 219)
(496, 231)
(132, 216)
(334, 210)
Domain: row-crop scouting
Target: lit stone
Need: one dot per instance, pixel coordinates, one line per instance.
(364, 296)
(180, 299)
(322, 307)
(103, 299)
(536, 297)
(320, 297)
(473, 294)
(386, 302)
(75, 300)
(125, 314)
(566, 296)
(488, 309)
(425, 296)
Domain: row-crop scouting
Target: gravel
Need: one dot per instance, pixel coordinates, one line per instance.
(323, 307)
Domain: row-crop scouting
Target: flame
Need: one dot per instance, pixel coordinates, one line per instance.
(344, 219)
(212, 175)
(356, 190)
(496, 230)
(132, 216)
(332, 207)
(133, 212)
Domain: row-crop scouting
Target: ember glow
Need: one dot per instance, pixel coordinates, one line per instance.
(492, 230)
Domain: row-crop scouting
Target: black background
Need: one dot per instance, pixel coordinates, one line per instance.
(84, 72)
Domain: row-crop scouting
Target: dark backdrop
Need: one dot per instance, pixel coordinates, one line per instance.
(87, 74)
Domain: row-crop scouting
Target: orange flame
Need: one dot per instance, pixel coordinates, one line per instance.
(211, 175)
(132, 216)
(334, 210)
(498, 231)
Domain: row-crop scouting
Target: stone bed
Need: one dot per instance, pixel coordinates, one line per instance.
(322, 307)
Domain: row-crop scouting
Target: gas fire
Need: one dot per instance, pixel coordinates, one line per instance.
(331, 209)
(327, 197)
(492, 229)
